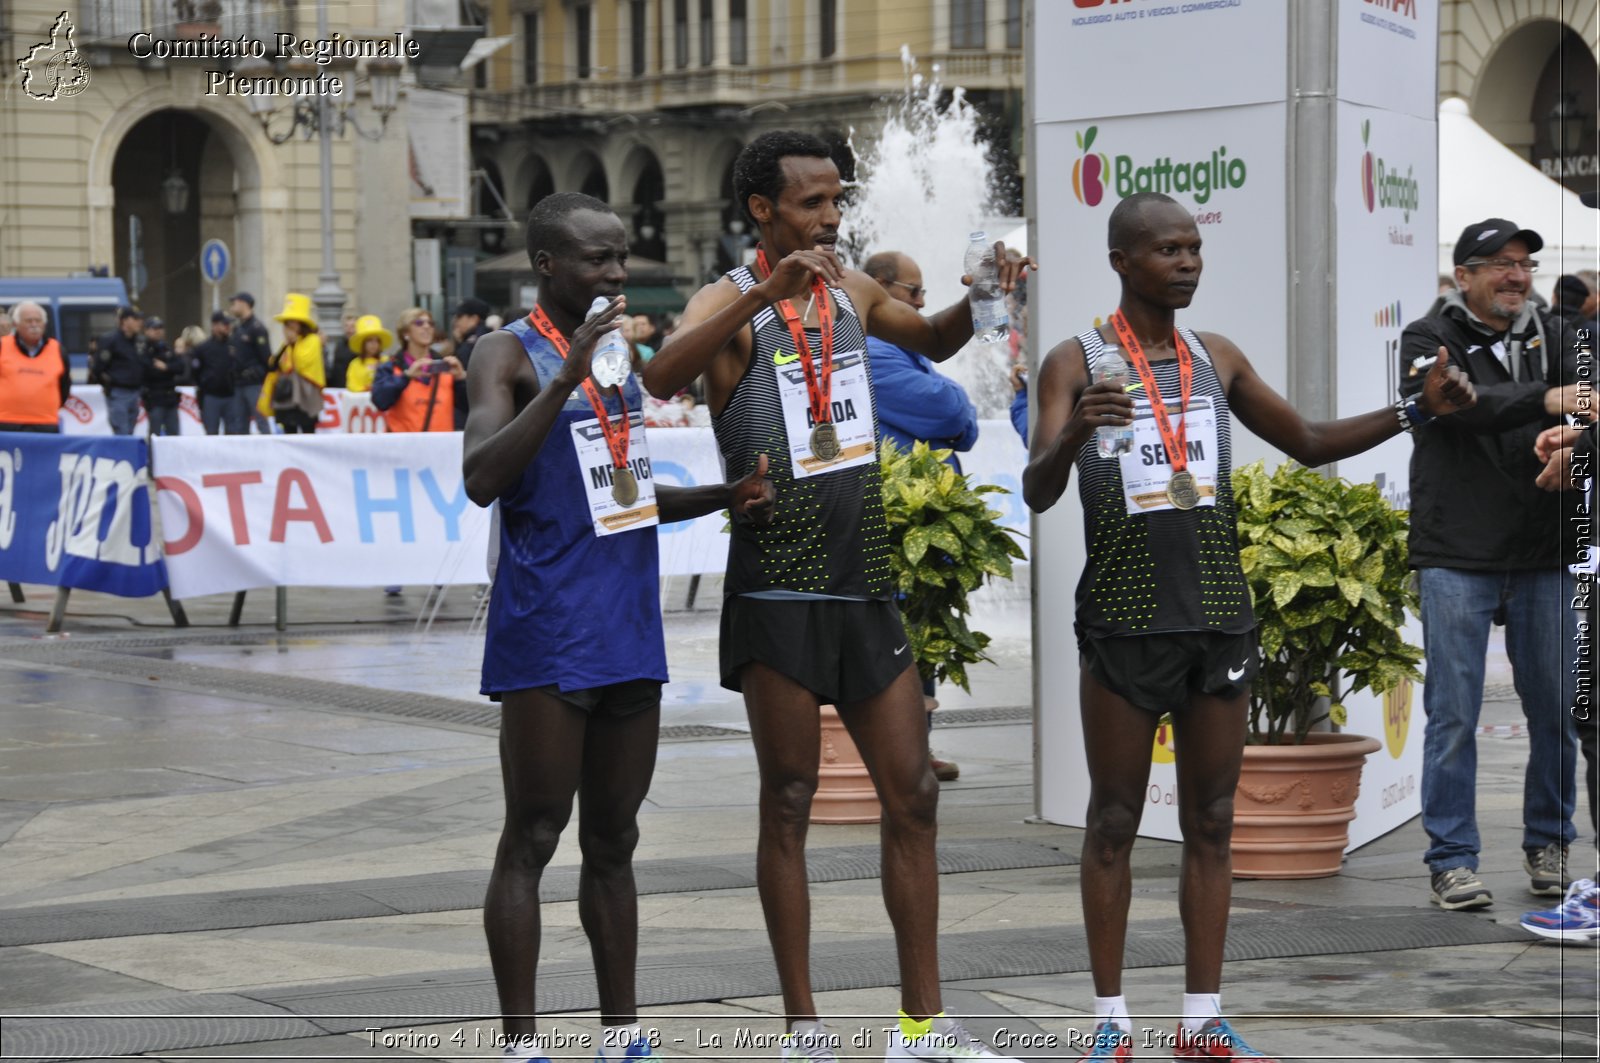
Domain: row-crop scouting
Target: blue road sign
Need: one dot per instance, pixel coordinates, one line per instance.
(214, 260)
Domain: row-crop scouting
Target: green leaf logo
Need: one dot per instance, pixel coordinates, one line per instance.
(1088, 138)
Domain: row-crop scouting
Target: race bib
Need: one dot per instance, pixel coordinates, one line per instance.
(852, 415)
(595, 466)
(1145, 469)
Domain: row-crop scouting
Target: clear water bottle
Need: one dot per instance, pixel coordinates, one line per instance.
(990, 321)
(1112, 439)
(611, 361)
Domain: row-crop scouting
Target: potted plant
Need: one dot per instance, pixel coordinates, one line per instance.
(1326, 563)
(944, 541)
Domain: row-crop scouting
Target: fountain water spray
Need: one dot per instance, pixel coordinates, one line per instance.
(921, 186)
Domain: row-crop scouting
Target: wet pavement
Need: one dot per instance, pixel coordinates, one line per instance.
(230, 842)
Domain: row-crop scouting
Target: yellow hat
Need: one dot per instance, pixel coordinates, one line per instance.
(297, 307)
(368, 326)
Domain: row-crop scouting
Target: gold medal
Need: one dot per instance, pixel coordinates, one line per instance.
(624, 487)
(1182, 491)
(825, 441)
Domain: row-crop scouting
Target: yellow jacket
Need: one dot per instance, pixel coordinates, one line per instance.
(305, 356)
(358, 374)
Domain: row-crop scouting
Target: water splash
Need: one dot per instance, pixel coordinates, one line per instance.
(921, 186)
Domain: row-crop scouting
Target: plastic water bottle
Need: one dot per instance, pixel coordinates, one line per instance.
(611, 361)
(990, 321)
(1112, 439)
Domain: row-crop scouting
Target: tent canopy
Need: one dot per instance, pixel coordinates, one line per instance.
(1479, 178)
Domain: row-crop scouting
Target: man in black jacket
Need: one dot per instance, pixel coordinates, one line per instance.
(119, 365)
(252, 350)
(1487, 544)
(216, 372)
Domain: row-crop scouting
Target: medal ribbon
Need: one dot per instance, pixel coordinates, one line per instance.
(616, 435)
(819, 379)
(1176, 443)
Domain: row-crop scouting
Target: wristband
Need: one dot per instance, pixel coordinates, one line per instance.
(1410, 414)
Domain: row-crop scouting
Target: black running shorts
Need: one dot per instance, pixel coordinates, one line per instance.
(841, 651)
(1159, 673)
(617, 699)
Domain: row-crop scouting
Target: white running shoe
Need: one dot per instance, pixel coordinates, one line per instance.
(947, 1042)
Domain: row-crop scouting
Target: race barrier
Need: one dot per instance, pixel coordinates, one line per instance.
(343, 412)
(360, 511)
(78, 513)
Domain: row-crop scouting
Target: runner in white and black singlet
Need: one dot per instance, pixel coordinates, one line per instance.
(808, 615)
(1164, 621)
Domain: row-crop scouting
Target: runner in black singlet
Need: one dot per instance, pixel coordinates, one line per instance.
(1164, 620)
(809, 616)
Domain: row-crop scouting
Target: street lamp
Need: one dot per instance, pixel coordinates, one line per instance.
(1565, 123)
(326, 118)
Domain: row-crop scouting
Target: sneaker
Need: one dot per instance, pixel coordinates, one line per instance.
(816, 1045)
(1110, 1042)
(1215, 1040)
(641, 1051)
(944, 770)
(1577, 918)
(1459, 887)
(1547, 870)
(947, 1042)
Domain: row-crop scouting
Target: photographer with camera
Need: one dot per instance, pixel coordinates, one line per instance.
(414, 389)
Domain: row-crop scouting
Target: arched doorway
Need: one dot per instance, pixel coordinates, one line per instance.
(593, 182)
(646, 221)
(168, 173)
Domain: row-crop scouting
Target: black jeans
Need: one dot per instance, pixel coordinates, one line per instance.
(295, 422)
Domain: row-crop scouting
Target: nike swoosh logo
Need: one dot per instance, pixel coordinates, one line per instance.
(1134, 387)
(901, 650)
(780, 358)
(1235, 673)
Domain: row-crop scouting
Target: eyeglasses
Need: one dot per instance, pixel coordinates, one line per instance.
(428, 321)
(1505, 265)
(914, 290)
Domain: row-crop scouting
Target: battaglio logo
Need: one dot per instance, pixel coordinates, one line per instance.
(1384, 186)
(1199, 178)
(1088, 173)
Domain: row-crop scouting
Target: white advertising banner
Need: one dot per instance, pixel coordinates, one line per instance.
(1386, 203)
(1226, 166)
(1100, 56)
(311, 510)
(342, 411)
(1388, 55)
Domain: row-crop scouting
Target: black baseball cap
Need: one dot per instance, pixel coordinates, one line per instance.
(1490, 235)
(125, 312)
(244, 297)
(222, 316)
(154, 322)
(475, 307)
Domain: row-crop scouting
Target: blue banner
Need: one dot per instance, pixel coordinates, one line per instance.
(76, 511)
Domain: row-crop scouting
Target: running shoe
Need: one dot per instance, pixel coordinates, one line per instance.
(1110, 1042)
(1215, 1040)
(1459, 887)
(944, 770)
(641, 1051)
(946, 1042)
(814, 1046)
(1577, 918)
(1547, 870)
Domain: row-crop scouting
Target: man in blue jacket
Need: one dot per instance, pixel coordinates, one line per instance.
(915, 402)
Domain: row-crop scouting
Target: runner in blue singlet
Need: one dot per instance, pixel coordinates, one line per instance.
(573, 647)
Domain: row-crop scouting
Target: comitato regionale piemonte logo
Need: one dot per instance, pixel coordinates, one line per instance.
(55, 70)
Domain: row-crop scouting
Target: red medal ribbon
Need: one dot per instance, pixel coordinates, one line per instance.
(616, 437)
(819, 379)
(1176, 443)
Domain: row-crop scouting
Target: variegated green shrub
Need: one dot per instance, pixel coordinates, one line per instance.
(945, 541)
(1326, 563)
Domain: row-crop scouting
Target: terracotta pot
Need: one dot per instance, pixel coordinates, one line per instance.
(1294, 804)
(844, 789)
